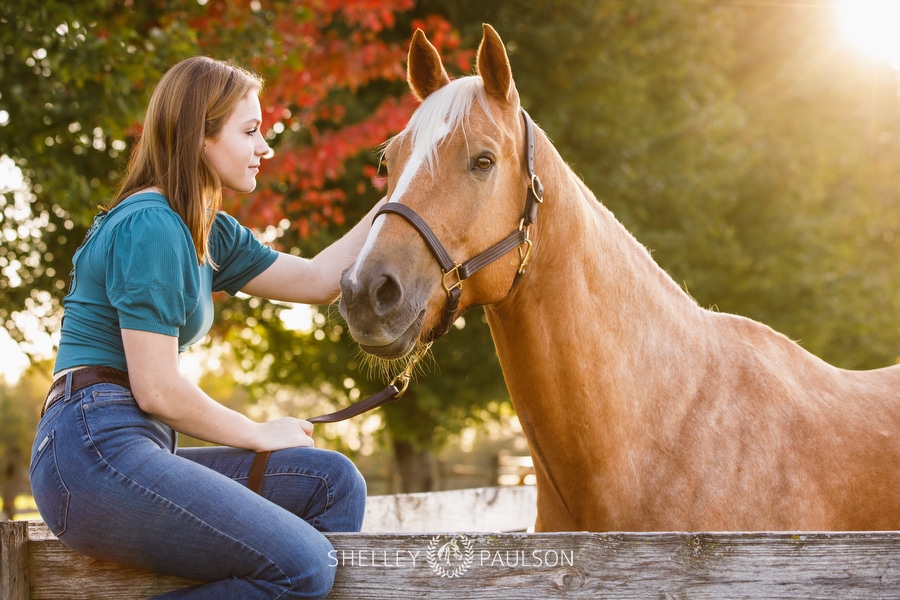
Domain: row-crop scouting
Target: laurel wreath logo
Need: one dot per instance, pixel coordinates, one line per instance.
(452, 558)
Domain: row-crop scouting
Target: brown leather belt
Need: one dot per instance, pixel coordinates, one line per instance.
(81, 378)
(85, 376)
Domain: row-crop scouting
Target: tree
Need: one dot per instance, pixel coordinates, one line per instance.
(817, 208)
(18, 420)
(92, 63)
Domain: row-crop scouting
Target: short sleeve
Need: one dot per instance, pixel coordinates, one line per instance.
(238, 254)
(152, 277)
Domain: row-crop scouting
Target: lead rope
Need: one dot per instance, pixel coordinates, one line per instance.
(391, 393)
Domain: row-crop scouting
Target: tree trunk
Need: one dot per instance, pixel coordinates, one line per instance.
(416, 468)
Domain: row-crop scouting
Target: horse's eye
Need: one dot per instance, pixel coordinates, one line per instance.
(483, 163)
(382, 167)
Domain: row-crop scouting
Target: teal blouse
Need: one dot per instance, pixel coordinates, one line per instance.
(138, 269)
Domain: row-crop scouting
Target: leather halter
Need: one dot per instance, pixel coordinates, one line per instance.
(453, 276)
(455, 273)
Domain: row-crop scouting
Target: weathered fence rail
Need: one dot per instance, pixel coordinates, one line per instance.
(512, 508)
(864, 565)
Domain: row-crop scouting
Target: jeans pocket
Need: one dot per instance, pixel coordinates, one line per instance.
(50, 493)
(111, 415)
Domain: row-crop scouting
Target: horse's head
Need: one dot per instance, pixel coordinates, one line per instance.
(459, 172)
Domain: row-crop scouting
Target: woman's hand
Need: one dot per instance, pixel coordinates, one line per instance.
(286, 432)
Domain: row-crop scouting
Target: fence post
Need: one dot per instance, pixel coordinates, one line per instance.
(14, 560)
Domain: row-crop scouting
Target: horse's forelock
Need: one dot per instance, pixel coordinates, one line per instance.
(442, 112)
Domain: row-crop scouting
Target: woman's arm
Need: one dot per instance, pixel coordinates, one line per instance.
(316, 280)
(162, 391)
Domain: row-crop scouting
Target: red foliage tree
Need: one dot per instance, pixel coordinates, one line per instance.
(318, 58)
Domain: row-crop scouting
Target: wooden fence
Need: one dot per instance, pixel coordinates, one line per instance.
(410, 561)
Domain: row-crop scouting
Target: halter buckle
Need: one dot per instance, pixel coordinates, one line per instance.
(537, 187)
(525, 247)
(404, 376)
(403, 381)
(452, 285)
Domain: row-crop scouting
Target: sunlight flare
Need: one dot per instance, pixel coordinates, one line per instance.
(873, 26)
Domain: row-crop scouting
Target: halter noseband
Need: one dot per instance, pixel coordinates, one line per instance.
(455, 273)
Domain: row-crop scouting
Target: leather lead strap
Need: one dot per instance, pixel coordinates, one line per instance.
(385, 396)
(258, 471)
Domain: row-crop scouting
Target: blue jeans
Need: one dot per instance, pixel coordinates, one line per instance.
(109, 482)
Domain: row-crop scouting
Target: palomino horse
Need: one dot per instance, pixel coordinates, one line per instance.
(643, 411)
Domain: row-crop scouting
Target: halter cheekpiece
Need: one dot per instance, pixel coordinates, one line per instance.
(454, 273)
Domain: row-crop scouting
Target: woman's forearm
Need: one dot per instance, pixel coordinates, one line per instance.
(316, 280)
(162, 391)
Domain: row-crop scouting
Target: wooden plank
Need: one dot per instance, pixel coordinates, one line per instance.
(61, 574)
(663, 565)
(509, 508)
(13, 560)
(844, 565)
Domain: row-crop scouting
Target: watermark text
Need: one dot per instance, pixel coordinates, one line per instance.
(388, 559)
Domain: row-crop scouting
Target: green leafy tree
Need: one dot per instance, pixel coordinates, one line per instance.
(818, 206)
(742, 143)
(18, 419)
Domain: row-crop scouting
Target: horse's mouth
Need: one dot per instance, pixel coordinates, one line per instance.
(402, 345)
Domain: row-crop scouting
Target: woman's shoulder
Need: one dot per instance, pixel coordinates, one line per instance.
(149, 197)
(150, 205)
(147, 217)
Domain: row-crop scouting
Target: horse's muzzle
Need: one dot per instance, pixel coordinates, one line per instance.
(379, 313)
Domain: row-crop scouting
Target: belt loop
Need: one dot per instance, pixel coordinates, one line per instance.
(68, 386)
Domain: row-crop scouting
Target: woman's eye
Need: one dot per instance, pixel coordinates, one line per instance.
(483, 163)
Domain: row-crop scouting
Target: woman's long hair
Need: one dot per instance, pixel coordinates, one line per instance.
(191, 103)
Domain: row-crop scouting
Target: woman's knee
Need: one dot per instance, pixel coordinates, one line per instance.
(348, 495)
(349, 479)
(344, 493)
(310, 573)
(316, 582)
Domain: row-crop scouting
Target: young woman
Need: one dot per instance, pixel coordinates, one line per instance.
(106, 474)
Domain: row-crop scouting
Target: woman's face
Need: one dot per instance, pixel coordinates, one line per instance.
(235, 152)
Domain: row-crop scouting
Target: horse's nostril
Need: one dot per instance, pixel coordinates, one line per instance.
(387, 295)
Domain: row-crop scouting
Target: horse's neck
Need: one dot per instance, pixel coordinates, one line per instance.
(591, 318)
(590, 291)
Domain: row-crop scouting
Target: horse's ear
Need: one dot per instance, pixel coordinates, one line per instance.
(493, 66)
(425, 72)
